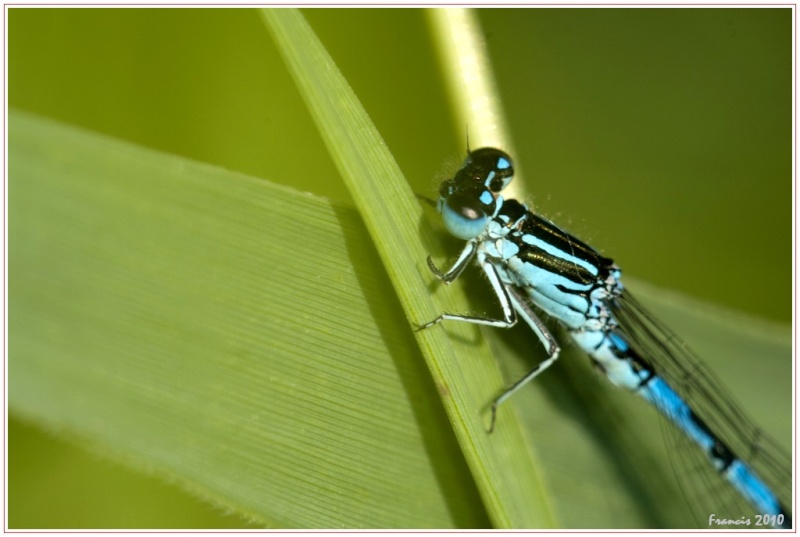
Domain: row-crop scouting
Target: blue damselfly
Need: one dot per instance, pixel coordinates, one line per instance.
(534, 266)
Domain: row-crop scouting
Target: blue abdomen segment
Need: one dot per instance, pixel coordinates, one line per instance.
(743, 479)
(659, 393)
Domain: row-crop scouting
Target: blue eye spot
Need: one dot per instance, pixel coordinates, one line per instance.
(502, 164)
(486, 198)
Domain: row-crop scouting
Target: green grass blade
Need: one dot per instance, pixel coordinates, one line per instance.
(467, 71)
(464, 373)
(221, 332)
(468, 76)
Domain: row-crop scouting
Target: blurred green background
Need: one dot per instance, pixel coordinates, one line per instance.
(661, 136)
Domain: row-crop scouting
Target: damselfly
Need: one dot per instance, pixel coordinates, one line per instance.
(534, 266)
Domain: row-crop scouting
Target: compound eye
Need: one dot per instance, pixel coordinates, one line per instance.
(464, 216)
(491, 166)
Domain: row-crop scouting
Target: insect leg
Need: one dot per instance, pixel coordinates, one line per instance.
(458, 267)
(509, 315)
(544, 335)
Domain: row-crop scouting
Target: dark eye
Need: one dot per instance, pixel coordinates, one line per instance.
(464, 216)
(491, 166)
(465, 206)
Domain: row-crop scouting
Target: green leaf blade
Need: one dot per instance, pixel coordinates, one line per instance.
(464, 374)
(165, 310)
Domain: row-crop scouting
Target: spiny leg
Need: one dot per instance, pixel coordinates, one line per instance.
(512, 303)
(509, 315)
(458, 267)
(551, 347)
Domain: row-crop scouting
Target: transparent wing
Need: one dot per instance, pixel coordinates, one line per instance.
(705, 490)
